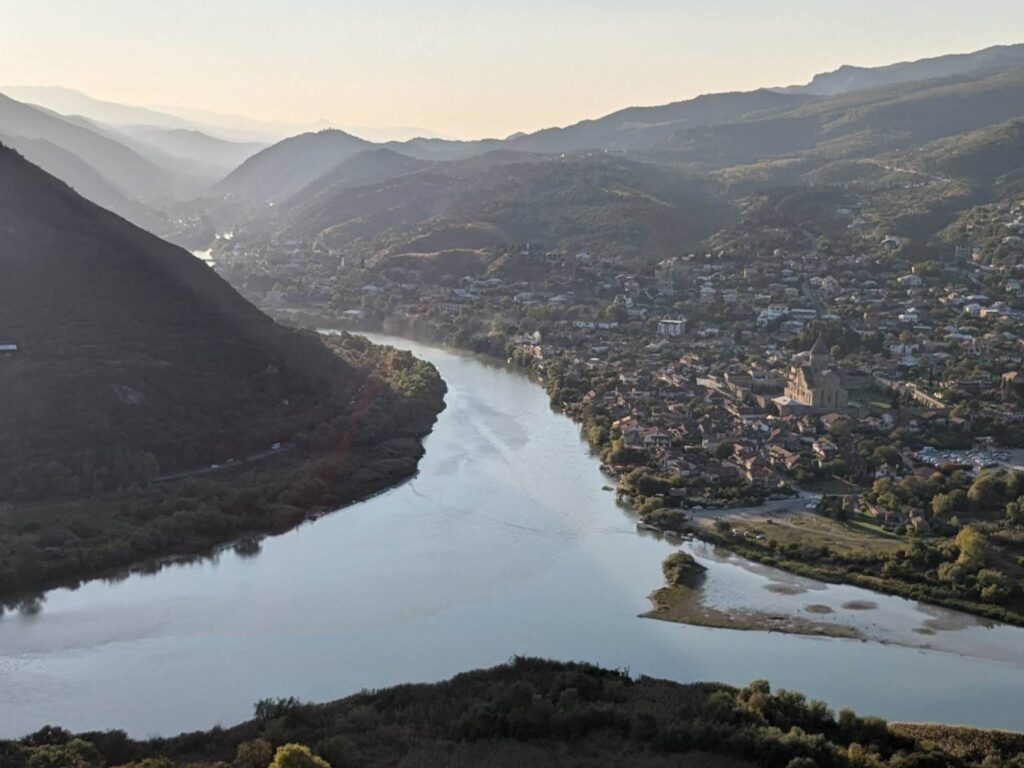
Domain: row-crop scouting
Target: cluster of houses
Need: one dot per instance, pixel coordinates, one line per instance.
(729, 347)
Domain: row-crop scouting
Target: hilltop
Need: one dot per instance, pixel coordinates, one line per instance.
(466, 212)
(281, 170)
(543, 713)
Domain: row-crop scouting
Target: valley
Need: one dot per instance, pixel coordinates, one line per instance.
(724, 389)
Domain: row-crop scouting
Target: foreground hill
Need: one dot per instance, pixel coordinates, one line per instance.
(135, 360)
(540, 713)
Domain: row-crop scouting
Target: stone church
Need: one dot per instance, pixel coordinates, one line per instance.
(816, 385)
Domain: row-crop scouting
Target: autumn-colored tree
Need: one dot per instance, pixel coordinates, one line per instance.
(973, 546)
(297, 756)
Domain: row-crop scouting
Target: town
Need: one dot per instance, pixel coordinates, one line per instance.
(850, 370)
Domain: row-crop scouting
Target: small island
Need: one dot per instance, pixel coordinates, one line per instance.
(681, 600)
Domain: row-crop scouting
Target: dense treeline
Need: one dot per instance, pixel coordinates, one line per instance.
(367, 444)
(538, 713)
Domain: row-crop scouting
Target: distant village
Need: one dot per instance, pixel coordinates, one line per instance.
(745, 373)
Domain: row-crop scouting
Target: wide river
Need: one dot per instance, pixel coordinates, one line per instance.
(505, 543)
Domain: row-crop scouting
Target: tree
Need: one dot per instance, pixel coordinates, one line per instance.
(973, 546)
(985, 492)
(297, 756)
(616, 313)
(680, 569)
(253, 754)
(723, 450)
(1015, 513)
(887, 454)
(948, 505)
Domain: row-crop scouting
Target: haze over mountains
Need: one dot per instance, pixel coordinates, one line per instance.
(448, 199)
(155, 167)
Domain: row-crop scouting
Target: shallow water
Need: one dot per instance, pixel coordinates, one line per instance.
(504, 544)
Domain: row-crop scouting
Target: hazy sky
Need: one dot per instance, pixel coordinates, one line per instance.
(467, 69)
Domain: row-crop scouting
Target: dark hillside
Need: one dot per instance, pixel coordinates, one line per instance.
(132, 354)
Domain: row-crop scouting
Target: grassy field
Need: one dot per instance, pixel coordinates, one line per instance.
(860, 533)
(875, 398)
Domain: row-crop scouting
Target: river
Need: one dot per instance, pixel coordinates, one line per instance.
(505, 543)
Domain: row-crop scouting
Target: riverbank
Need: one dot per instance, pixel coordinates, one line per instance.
(373, 445)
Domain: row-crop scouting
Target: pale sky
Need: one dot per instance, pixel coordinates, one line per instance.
(467, 69)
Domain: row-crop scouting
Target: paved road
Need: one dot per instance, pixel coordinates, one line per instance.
(780, 506)
(213, 468)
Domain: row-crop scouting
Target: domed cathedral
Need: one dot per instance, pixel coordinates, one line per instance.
(816, 384)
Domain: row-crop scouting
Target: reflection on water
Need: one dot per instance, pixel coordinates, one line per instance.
(503, 544)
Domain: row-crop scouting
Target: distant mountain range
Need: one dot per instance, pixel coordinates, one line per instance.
(879, 110)
(953, 114)
(850, 78)
(234, 128)
(133, 174)
(644, 181)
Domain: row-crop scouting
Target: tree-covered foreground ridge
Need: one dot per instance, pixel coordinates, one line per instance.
(539, 713)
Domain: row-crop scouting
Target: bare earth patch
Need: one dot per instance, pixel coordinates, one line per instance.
(860, 605)
(818, 608)
(785, 589)
(685, 605)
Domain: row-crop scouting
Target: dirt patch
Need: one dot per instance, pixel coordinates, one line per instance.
(818, 608)
(785, 589)
(860, 605)
(685, 605)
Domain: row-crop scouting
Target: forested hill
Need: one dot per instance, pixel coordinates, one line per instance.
(133, 357)
(538, 713)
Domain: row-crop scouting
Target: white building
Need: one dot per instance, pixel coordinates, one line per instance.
(771, 313)
(671, 328)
